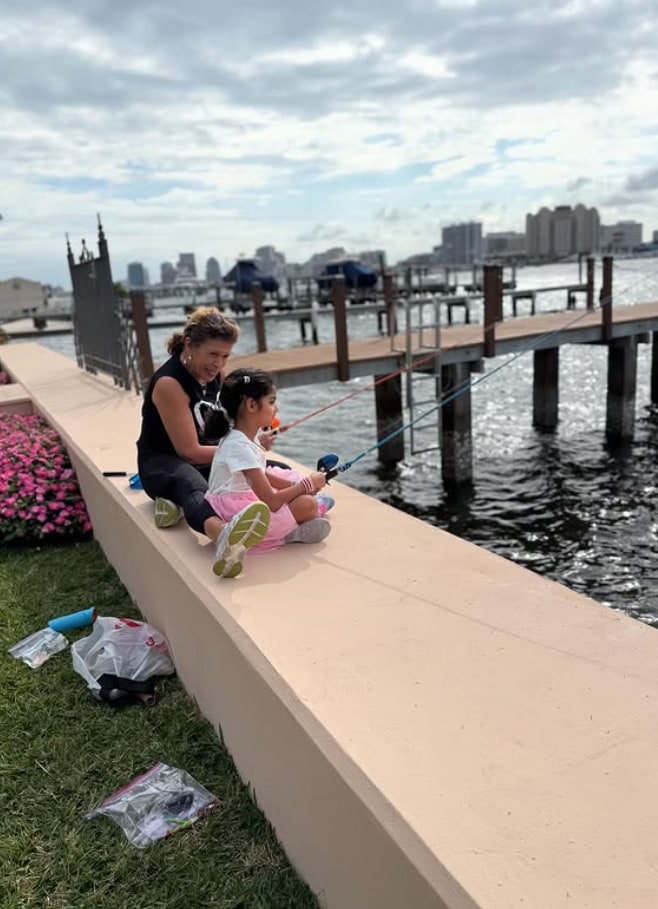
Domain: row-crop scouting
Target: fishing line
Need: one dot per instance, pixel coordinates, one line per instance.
(357, 391)
(471, 383)
(410, 368)
(391, 375)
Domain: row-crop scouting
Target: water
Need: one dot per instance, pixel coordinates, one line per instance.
(561, 504)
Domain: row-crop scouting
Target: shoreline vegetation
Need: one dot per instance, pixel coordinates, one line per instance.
(62, 752)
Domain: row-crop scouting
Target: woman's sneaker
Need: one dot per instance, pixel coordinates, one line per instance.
(167, 513)
(245, 529)
(313, 531)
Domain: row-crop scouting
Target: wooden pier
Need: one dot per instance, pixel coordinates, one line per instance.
(452, 353)
(409, 343)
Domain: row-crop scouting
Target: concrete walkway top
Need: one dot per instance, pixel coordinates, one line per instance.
(500, 728)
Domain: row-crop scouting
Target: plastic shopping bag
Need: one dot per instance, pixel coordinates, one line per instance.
(121, 659)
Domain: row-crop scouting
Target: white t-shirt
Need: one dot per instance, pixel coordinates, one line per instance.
(235, 453)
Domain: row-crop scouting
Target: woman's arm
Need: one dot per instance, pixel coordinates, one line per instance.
(275, 498)
(173, 405)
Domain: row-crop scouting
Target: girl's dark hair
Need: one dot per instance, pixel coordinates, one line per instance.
(238, 386)
(204, 324)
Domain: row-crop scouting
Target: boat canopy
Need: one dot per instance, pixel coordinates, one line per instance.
(357, 275)
(244, 273)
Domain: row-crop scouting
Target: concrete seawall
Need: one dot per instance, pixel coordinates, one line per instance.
(425, 723)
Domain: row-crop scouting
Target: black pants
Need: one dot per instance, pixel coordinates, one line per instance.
(169, 477)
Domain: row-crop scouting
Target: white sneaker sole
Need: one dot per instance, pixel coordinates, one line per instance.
(245, 529)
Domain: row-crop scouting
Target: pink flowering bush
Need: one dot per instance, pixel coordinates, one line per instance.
(39, 494)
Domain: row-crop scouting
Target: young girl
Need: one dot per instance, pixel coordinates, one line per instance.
(239, 476)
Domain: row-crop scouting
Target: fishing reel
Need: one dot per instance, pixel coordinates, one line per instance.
(328, 465)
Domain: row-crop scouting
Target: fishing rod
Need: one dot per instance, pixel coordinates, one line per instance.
(391, 375)
(329, 463)
(411, 367)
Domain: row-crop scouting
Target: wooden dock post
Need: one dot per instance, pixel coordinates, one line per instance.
(389, 304)
(257, 297)
(312, 321)
(545, 388)
(622, 381)
(339, 299)
(388, 408)
(138, 312)
(654, 369)
(493, 306)
(605, 299)
(456, 430)
(590, 282)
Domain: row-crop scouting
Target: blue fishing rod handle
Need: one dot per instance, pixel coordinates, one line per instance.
(328, 465)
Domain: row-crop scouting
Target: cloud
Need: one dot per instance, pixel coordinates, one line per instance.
(223, 127)
(322, 233)
(577, 184)
(646, 181)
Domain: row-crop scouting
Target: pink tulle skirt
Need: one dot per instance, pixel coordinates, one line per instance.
(282, 521)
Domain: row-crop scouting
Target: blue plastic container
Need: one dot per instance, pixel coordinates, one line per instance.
(73, 620)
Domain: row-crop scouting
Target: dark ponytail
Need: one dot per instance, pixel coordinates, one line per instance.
(216, 424)
(238, 386)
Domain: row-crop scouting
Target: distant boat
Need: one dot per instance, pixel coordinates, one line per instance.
(357, 275)
(244, 273)
(240, 279)
(360, 279)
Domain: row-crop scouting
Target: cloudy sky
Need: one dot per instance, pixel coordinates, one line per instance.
(216, 128)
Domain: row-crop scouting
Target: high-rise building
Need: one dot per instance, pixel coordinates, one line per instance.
(213, 272)
(137, 276)
(462, 243)
(167, 273)
(272, 262)
(187, 265)
(621, 237)
(562, 232)
(504, 244)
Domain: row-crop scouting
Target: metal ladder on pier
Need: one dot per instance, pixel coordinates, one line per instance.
(423, 385)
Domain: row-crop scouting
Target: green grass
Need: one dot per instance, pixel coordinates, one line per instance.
(62, 753)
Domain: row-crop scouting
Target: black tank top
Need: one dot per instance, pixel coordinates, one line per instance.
(154, 439)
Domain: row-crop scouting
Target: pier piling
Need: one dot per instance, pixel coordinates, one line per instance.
(605, 298)
(545, 390)
(388, 408)
(622, 382)
(339, 300)
(590, 282)
(257, 297)
(493, 306)
(456, 430)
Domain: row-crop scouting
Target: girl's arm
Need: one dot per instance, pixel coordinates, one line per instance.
(275, 498)
(173, 405)
(279, 482)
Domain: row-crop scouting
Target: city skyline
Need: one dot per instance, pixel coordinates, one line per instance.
(363, 126)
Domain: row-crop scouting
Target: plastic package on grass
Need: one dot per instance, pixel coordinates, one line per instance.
(39, 647)
(121, 649)
(156, 804)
